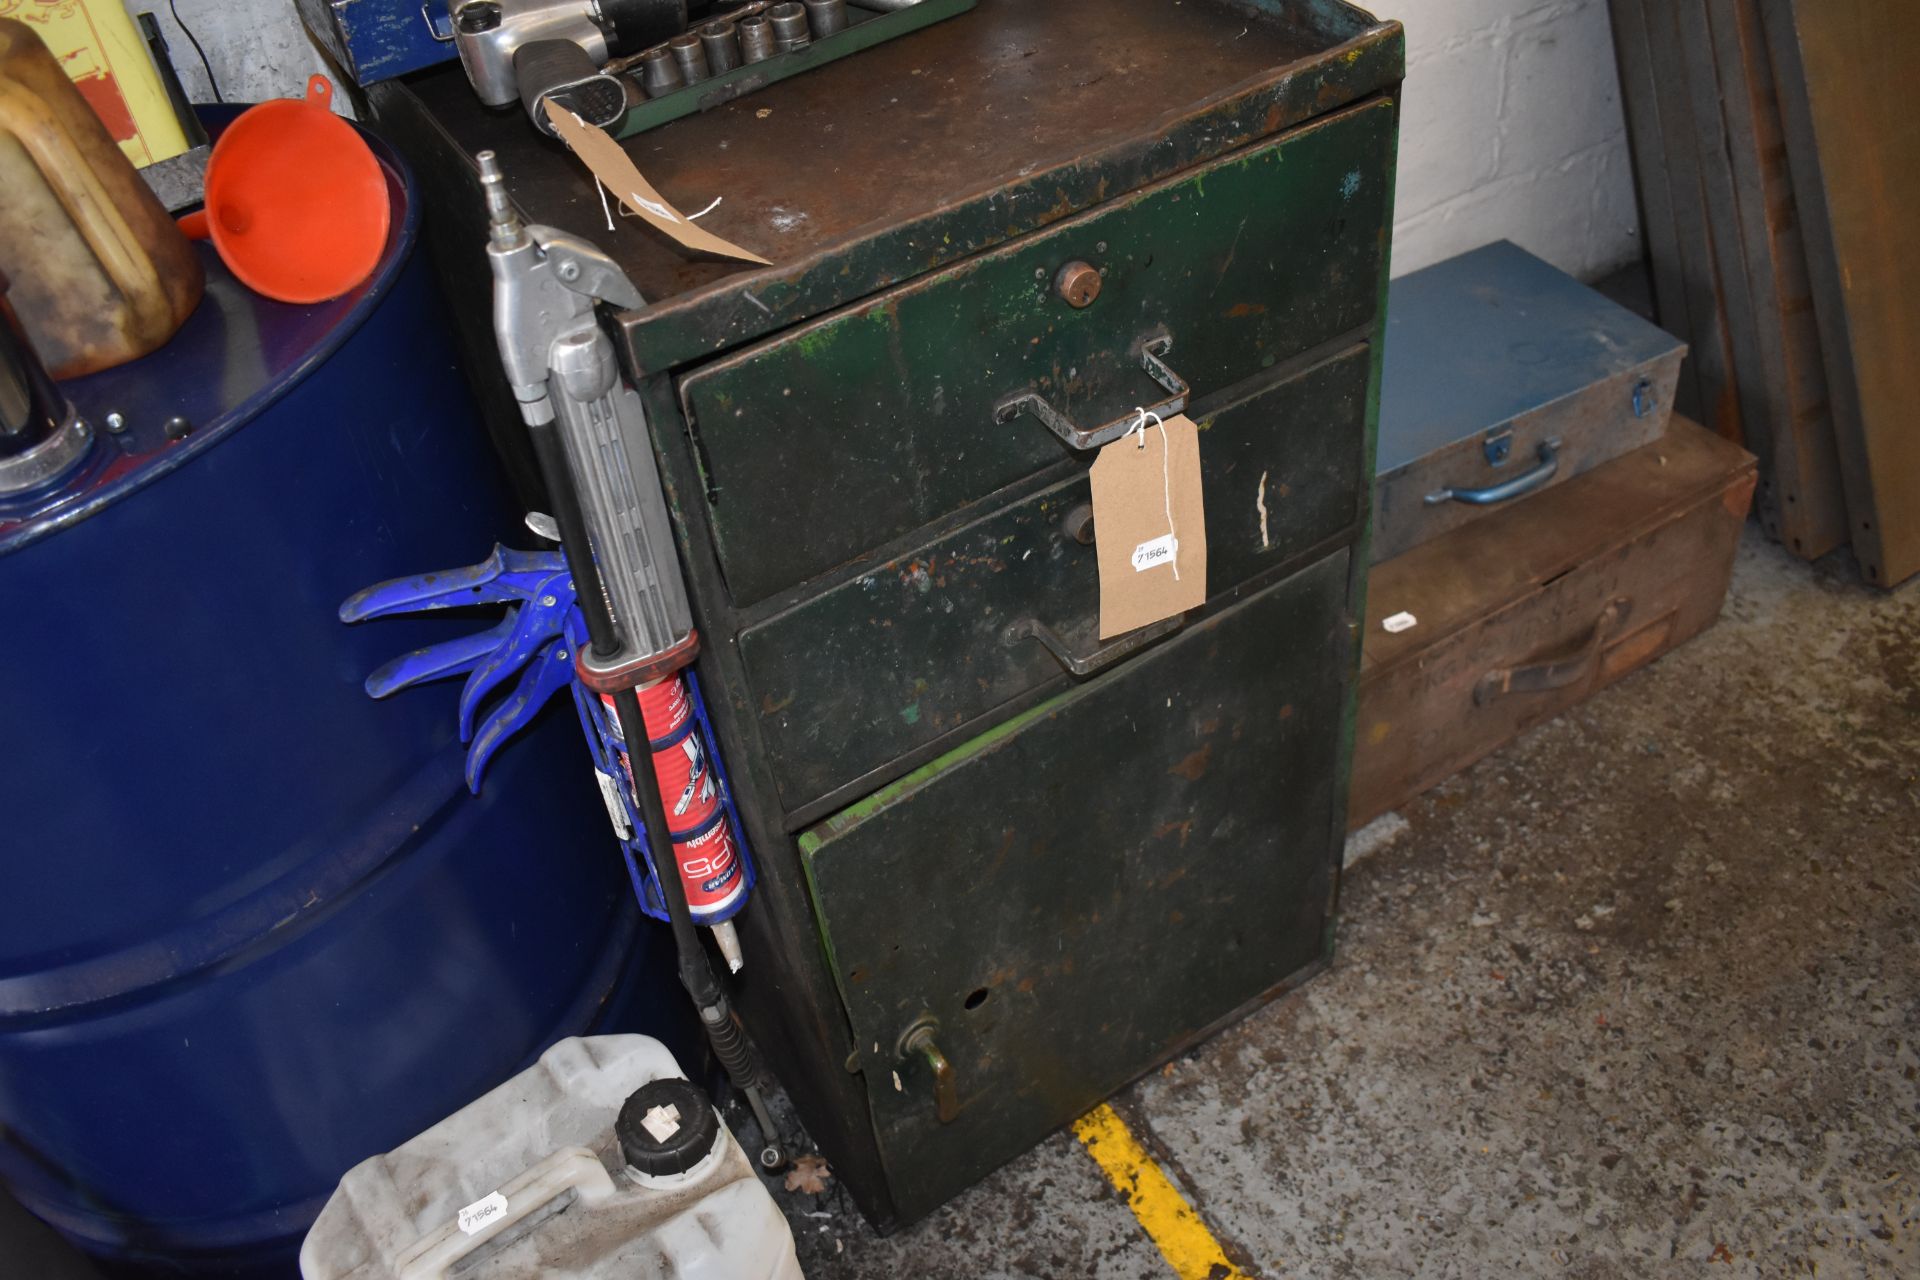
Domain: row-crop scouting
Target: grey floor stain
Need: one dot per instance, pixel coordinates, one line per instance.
(1639, 995)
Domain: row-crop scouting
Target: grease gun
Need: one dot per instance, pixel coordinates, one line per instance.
(589, 434)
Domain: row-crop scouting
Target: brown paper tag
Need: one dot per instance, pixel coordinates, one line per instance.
(609, 162)
(1149, 526)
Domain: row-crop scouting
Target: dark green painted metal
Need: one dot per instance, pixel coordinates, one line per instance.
(1037, 140)
(866, 31)
(831, 440)
(917, 647)
(1076, 896)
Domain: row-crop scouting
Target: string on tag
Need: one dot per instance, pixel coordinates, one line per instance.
(1166, 492)
(1140, 425)
(633, 198)
(598, 185)
(605, 212)
(1139, 428)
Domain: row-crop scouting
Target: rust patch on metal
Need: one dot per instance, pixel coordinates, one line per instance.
(947, 105)
(1165, 829)
(1195, 766)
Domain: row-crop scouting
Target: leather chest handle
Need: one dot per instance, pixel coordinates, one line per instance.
(1557, 672)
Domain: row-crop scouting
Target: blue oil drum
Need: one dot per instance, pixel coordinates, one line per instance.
(253, 928)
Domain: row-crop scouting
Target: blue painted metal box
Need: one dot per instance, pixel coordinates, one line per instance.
(376, 40)
(1504, 376)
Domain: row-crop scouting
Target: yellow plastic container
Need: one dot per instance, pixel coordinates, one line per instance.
(100, 273)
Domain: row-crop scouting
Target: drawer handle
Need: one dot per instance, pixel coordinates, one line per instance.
(1093, 437)
(1555, 673)
(1083, 665)
(918, 1043)
(1549, 464)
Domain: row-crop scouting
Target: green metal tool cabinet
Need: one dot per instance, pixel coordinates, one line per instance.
(1005, 867)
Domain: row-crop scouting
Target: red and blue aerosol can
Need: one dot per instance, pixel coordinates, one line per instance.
(706, 851)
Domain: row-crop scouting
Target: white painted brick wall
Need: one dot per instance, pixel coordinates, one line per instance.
(1512, 129)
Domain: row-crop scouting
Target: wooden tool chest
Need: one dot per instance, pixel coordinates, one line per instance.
(1525, 613)
(1004, 866)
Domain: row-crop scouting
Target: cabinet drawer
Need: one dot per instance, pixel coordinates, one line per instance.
(1078, 894)
(916, 648)
(840, 436)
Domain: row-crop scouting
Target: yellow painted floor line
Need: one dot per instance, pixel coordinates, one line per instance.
(1183, 1239)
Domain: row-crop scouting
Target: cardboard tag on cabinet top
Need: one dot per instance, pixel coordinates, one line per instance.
(1149, 526)
(610, 164)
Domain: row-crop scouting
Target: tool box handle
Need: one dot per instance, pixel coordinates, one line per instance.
(1080, 437)
(1543, 674)
(1514, 488)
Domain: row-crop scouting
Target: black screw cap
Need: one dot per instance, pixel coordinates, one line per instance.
(695, 1128)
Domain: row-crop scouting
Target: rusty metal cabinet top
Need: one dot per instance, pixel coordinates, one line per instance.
(930, 148)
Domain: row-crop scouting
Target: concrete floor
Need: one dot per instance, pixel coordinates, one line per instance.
(1639, 995)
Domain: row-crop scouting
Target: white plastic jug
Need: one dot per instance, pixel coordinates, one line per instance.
(599, 1162)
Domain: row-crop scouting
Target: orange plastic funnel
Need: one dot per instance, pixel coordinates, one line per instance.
(296, 203)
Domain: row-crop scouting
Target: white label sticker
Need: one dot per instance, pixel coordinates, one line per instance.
(661, 1122)
(616, 809)
(1400, 622)
(1158, 551)
(482, 1211)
